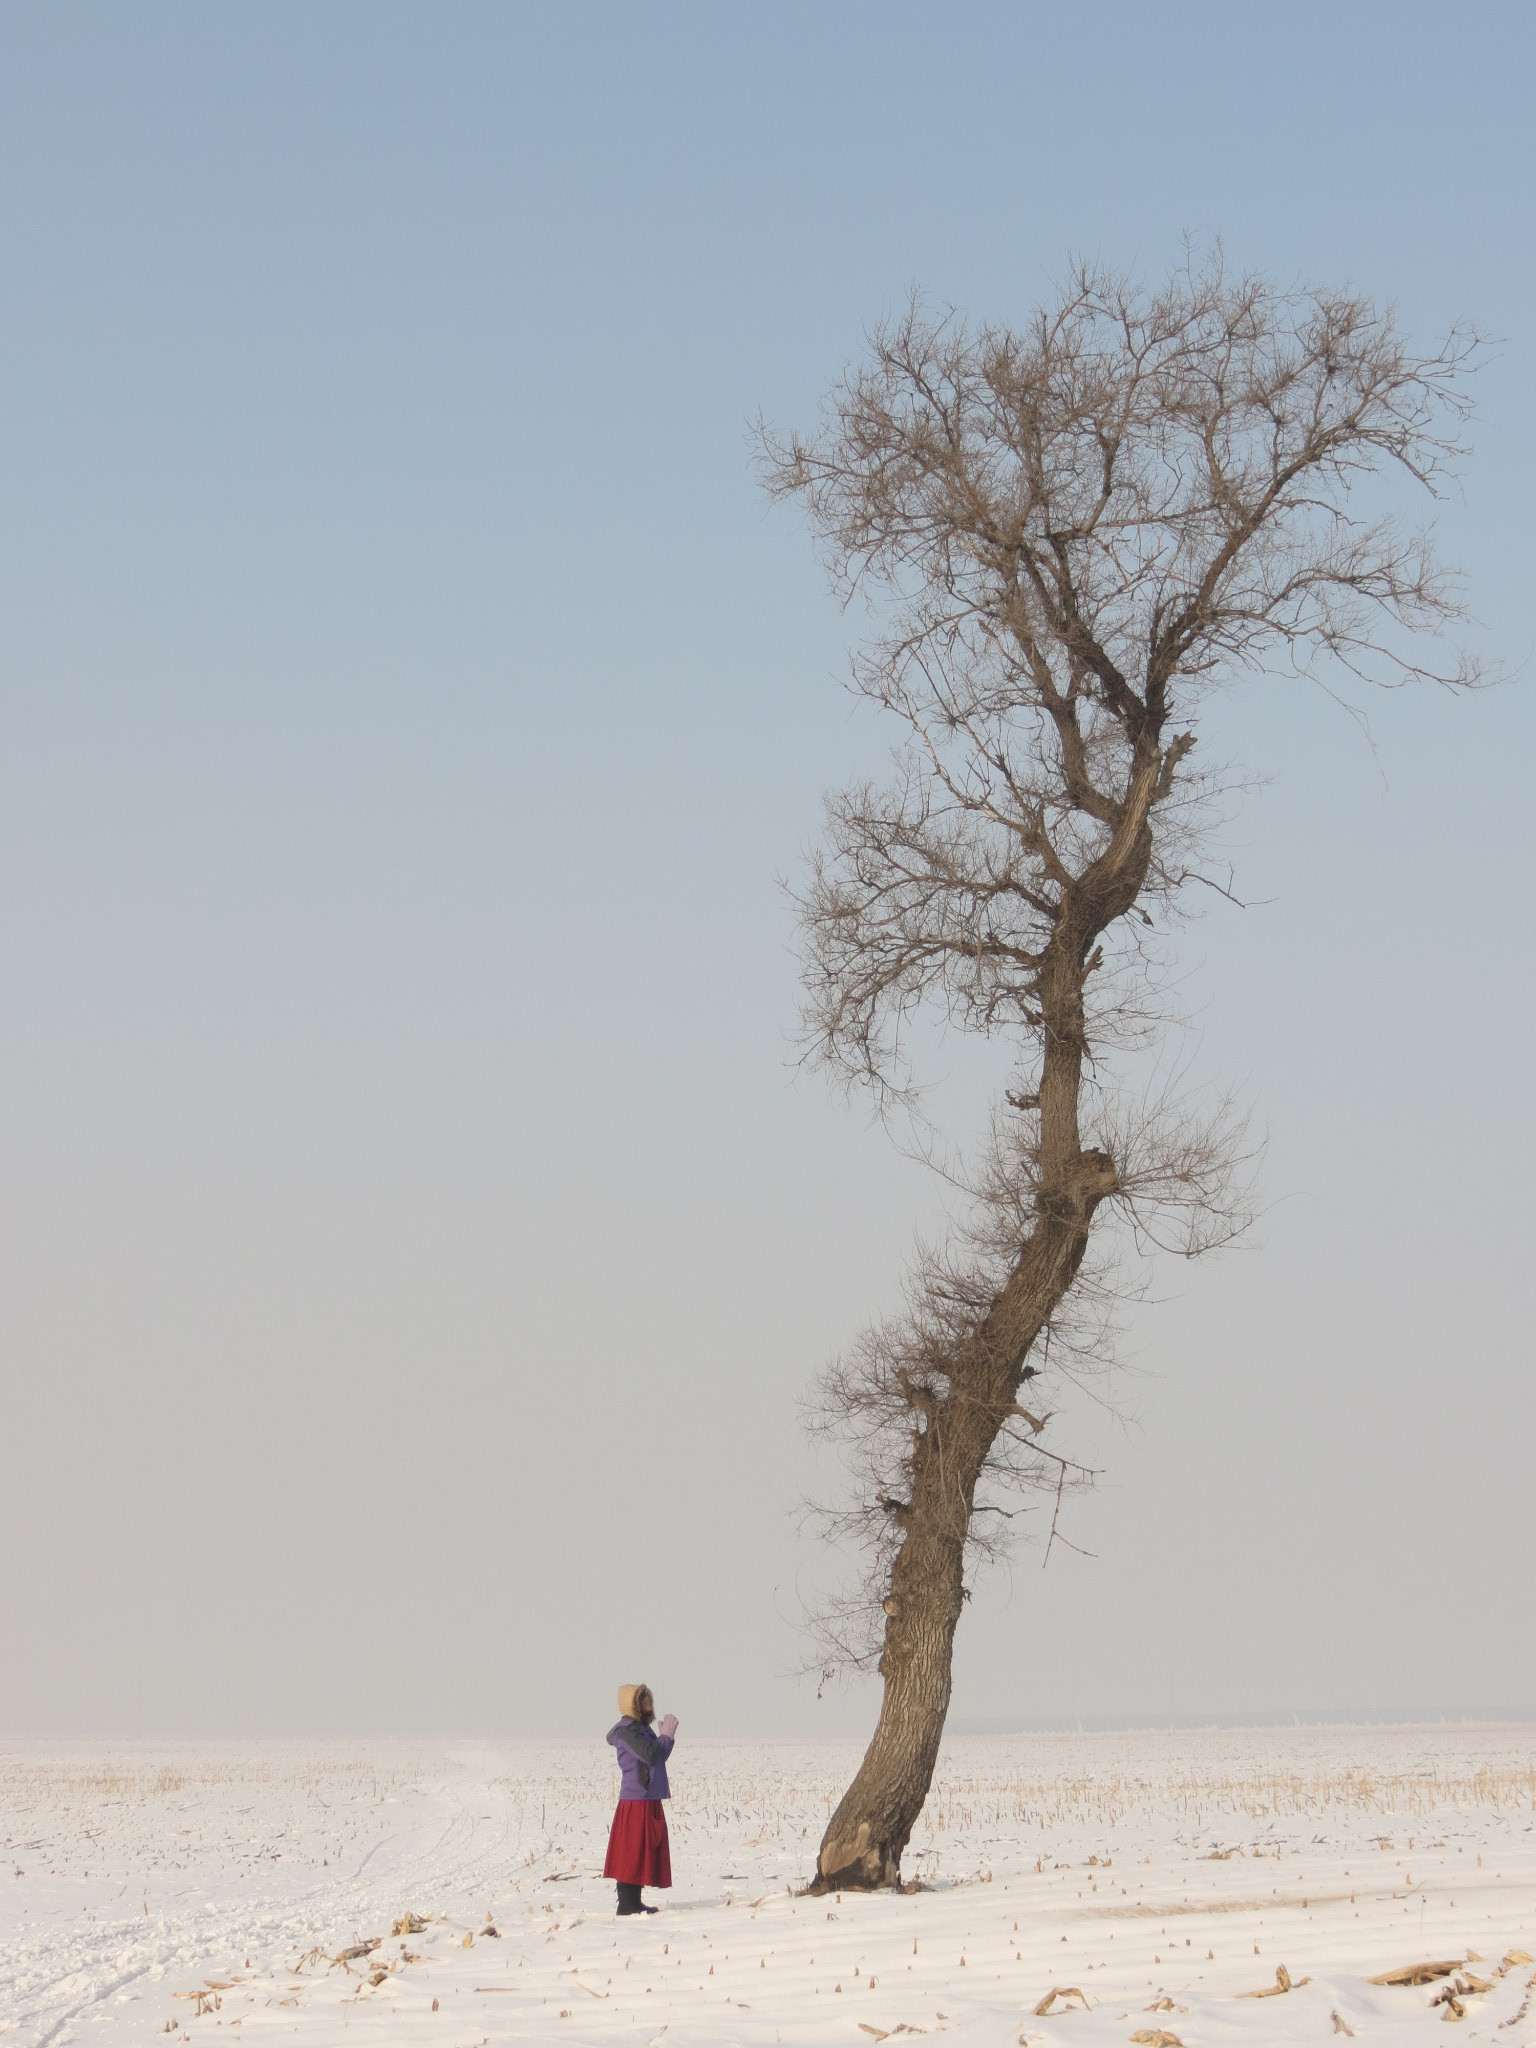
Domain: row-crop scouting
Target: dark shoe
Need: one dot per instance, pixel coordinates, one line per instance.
(629, 1900)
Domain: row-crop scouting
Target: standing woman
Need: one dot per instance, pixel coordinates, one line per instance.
(638, 1850)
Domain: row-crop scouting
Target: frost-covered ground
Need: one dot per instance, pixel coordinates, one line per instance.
(1162, 1875)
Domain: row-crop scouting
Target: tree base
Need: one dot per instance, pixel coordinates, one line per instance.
(823, 1887)
(859, 1865)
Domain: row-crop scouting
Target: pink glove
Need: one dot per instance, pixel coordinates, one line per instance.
(667, 1726)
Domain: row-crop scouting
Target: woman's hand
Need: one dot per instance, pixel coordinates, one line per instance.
(667, 1726)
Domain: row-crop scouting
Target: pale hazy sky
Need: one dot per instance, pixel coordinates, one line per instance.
(413, 1236)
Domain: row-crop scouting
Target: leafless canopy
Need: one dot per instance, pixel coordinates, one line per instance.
(1070, 534)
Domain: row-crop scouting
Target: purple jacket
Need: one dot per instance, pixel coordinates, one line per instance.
(642, 1755)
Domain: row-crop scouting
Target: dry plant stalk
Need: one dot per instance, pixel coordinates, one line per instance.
(1066, 1993)
(1077, 531)
(1416, 1973)
(1283, 1982)
(204, 2001)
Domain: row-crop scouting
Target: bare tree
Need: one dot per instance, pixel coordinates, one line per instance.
(1073, 533)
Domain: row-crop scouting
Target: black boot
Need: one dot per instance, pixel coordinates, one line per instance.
(629, 1899)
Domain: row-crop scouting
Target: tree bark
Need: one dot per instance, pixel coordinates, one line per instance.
(863, 1844)
(865, 1838)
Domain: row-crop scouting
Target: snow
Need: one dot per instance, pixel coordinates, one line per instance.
(1137, 1867)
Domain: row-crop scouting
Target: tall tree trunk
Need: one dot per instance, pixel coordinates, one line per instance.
(865, 1838)
(862, 1847)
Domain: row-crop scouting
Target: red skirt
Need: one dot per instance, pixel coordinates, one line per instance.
(638, 1849)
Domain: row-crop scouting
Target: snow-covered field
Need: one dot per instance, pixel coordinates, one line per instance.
(151, 1891)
